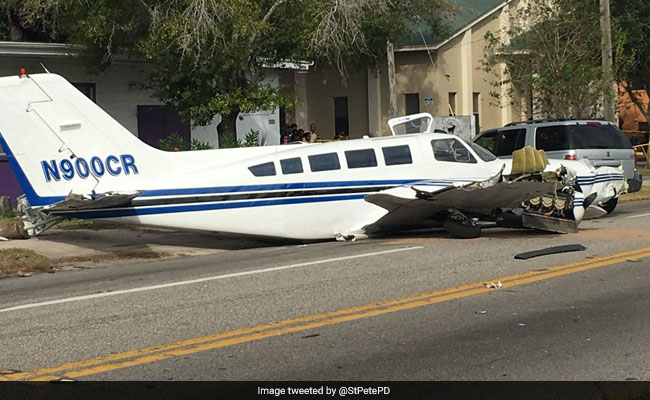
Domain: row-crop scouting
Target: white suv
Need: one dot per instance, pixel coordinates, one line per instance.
(600, 142)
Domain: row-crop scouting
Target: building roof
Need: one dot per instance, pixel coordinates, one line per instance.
(469, 13)
(31, 49)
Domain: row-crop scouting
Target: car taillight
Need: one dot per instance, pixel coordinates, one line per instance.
(570, 157)
(593, 123)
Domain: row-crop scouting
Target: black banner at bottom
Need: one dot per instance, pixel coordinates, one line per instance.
(269, 390)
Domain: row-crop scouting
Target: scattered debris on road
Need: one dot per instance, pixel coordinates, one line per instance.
(493, 285)
(550, 250)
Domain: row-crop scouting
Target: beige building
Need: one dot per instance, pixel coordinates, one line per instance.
(441, 76)
(434, 75)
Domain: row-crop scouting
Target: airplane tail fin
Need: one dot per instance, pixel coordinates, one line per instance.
(59, 142)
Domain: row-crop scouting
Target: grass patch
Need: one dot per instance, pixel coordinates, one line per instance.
(643, 194)
(7, 219)
(14, 260)
(644, 171)
(7, 222)
(8, 214)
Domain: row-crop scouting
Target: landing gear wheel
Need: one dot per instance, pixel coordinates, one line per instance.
(610, 205)
(462, 230)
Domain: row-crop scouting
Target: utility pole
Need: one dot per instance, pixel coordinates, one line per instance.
(609, 97)
(392, 104)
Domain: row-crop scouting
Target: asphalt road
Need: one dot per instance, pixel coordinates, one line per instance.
(408, 307)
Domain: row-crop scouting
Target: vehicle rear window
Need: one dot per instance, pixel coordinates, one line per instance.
(397, 155)
(324, 162)
(597, 137)
(291, 166)
(551, 138)
(266, 169)
(361, 158)
(509, 140)
(451, 150)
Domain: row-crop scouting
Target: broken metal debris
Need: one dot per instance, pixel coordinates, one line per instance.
(550, 250)
(494, 285)
(481, 312)
(310, 336)
(633, 260)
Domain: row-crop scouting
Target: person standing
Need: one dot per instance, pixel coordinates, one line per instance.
(312, 132)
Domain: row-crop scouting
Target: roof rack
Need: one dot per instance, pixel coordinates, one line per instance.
(541, 121)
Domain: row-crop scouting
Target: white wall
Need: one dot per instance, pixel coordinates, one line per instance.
(117, 89)
(267, 123)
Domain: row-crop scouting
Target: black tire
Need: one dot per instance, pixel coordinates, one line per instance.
(610, 205)
(462, 231)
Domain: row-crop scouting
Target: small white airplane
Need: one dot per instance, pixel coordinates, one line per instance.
(73, 160)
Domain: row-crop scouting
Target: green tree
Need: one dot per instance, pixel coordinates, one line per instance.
(552, 60)
(207, 57)
(632, 26)
(29, 20)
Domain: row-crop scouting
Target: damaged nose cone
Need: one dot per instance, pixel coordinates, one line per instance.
(588, 200)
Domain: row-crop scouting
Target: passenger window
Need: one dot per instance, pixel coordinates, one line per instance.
(451, 150)
(361, 158)
(397, 155)
(266, 169)
(550, 138)
(508, 141)
(291, 166)
(324, 162)
(487, 139)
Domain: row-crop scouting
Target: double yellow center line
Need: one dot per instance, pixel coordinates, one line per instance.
(189, 346)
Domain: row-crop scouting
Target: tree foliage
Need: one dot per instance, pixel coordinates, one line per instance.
(632, 26)
(29, 19)
(552, 58)
(207, 57)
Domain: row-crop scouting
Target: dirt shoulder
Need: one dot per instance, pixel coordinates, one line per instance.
(87, 248)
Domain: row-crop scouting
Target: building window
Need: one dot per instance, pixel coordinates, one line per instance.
(476, 104)
(412, 101)
(361, 158)
(87, 89)
(452, 103)
(341, 122)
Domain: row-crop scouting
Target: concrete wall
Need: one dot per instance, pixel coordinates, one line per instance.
(323, 85)
(117, 89)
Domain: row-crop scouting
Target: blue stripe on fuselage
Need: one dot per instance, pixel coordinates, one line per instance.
(33, 198)
(131, 212)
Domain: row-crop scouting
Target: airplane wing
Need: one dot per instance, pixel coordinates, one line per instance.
(416, 202)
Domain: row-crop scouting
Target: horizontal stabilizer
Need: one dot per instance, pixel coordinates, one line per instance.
(75, 202)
